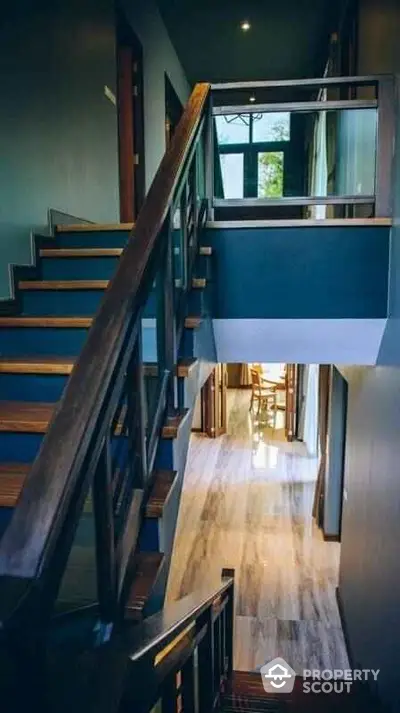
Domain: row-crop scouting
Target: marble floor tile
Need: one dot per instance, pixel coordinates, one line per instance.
(247, 504)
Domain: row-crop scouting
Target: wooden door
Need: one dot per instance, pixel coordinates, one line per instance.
(214, 403)
(291, 401)
(130, 124)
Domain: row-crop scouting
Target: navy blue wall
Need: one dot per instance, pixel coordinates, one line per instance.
(305, 272)
(58, 131)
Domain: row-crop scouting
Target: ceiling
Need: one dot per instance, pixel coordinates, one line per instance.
(287, 39)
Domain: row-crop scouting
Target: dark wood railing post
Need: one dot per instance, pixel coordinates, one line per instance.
(206, 667)
(189, 690)
(209, 160)
(385, 148)
(166, 336)
(139, 394)
(229, 622)
(105, 539)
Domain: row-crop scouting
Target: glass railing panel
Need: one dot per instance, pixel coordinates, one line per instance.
(298, 154)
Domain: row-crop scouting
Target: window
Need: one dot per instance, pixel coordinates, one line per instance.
(271, 127)
(252, 152)
(232, 174)
(270, 174)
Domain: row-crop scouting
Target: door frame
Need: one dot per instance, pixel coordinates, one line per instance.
(130, 107)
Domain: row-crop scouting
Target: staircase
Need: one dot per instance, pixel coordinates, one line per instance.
(38, 349)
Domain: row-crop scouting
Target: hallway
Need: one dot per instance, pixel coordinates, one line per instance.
(246, 504)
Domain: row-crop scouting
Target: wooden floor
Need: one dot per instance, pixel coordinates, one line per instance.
(246, 503)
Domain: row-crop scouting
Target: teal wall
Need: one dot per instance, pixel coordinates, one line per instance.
(159, 57)
(58, 131)
(306, 272)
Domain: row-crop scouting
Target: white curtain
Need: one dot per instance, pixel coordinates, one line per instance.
(310, 436)
(320, 168)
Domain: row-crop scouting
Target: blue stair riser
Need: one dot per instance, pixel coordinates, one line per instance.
(5, 517)
(95, 239)
(196, 302)
(19, 447)
(32, 387)
(41, 341)
(66, 303)
(55, 341)
(61, 303)
(83, 268)
(149, 538)
(49, 387)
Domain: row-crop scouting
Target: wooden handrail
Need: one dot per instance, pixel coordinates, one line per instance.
(57, 475)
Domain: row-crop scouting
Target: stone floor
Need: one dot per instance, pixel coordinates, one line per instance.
(246, 504)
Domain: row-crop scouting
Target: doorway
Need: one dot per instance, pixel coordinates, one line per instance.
(130, 121)
(173, 111)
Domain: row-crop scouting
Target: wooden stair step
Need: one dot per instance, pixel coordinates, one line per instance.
(93, 227)
(184, 368)
(64, 366)
(63, 284)
(48, 322)
(205, 250)
(36, 365)
(198, 283)
(34, 417)
(160, 491)
(144, 570)
(173, 423)
(12, 476)
(80, 252)
(25, 417)
(193, 322)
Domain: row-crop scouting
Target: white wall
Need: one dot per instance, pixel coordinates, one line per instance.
(159, 56)
(299, 341)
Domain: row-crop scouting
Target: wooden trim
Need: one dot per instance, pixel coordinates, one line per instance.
(305, 106)
(173, 424)
(36, 365)
(331, 538)
(205, 250)
(48, 322)
(199, 283)
(94, 227)
(301, 223)
(192, 322)
(63, 284)
(80, 252)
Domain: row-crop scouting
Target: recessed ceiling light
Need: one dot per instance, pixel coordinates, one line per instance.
(245, 25)
(252, 98)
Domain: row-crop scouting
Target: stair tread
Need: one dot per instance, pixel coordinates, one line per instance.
(173, 424)
(64, 365)
(192, 322)
(63, 284)
(160, 491)
(66, 322)
(25, 417)
(93, 227)
(146, 566)
(12, 476)
(80, 252)
(36, 365)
